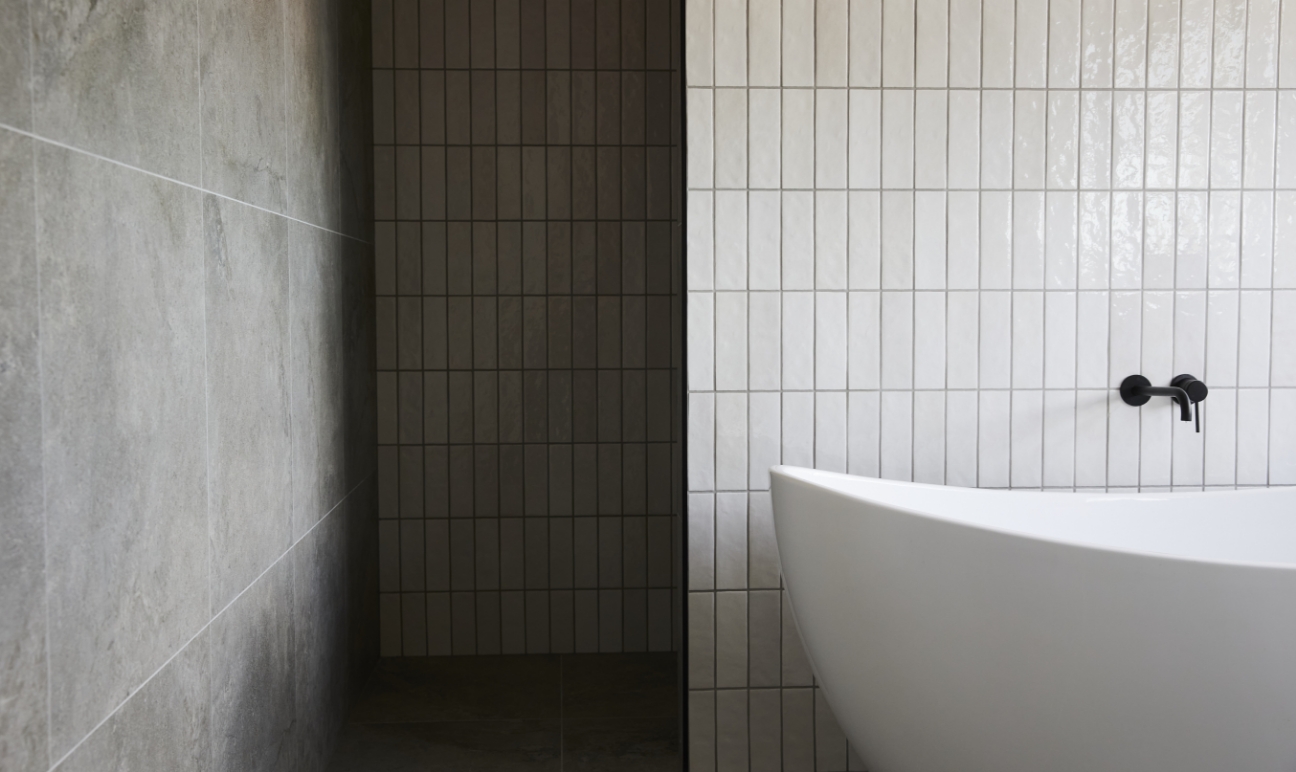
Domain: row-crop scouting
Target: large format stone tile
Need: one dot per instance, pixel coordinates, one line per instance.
(120, 78)
(621, 745)
(166, 725)
(498, 746)
(316, 367)
(314, 155)
(124, 462)
(249, 438)
(619, 685)
(460, 688)
(23, 728)
(244, 146)
(15, 61)
(355, 86)
(319, 572)
(252, 687)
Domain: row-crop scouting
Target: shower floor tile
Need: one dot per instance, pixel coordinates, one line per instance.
(559, 713)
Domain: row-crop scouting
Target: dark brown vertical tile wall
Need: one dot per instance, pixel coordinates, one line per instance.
(528, 279)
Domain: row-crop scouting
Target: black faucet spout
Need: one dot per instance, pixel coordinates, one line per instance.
(1186, 390)
(1175, 393)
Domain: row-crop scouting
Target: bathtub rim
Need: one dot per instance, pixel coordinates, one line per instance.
(805, 476)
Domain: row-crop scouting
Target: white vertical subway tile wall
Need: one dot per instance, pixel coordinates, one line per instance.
(527, 234)
(927, 239)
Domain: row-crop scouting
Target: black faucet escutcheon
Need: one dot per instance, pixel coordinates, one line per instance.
(1186, 390)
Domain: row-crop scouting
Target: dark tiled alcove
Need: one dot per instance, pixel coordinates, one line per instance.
(573, 712)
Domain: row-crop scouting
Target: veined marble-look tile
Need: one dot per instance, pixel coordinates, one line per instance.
(313, 177)
(164, 725)
(319, 568)
(317, 373)
(24, 730)
(244, 142)
(120, 78)
(124, 463)
(253, 676)
(15, 65)
(247, 265)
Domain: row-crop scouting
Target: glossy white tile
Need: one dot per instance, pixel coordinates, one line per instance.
(831, 137)
(964, 139)
(731, 140)
(764, 42)
(865, 30)
(1130, 44)
(1064, 44)
(765, 138)
(730, 43)
(830, 240)
(897, 138)
(965, 46)
(898, 42)
(932, 44)
(831, 42)
(731, 239)
(1096, 19)
(930, 138)
(997, 39)
(798, 52)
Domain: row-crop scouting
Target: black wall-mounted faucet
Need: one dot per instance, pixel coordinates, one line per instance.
(1186, 390)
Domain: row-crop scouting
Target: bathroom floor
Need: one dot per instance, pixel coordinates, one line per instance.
(568, 713)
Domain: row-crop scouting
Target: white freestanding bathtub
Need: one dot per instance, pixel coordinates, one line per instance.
(962, 630)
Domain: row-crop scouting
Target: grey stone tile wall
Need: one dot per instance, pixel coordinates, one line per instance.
(528, 295)
(188, 531)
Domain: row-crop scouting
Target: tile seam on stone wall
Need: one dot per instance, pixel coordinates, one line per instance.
(140, 687)
(187, 185)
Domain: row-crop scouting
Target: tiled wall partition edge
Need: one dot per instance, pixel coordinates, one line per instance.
(529, 325)
(927, 239)
(188, 564)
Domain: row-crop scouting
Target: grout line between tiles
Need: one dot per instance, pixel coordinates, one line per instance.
(138, 689)
(188, 185)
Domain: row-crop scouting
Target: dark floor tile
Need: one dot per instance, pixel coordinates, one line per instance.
(458, 746)
(621, 744)
(460, 689)
(619, 685)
